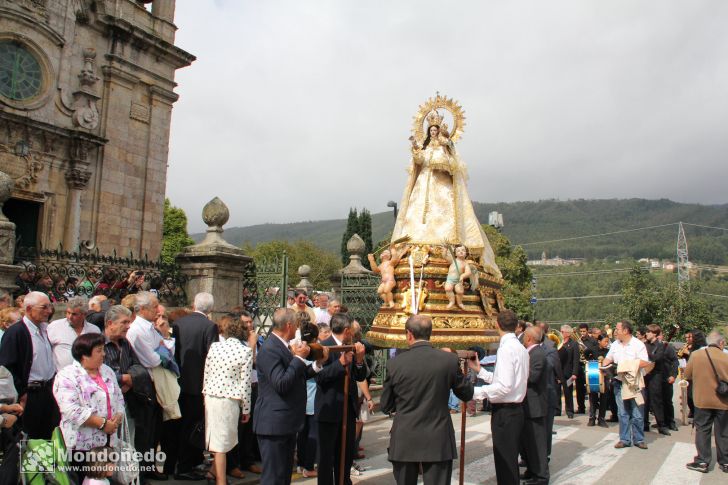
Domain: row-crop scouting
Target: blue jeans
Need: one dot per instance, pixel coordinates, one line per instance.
(630, 415)
(453, 402)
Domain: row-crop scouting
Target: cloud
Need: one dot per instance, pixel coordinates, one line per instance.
(297, 110)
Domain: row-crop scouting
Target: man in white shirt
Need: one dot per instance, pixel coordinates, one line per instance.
(333, 308)
(627, 347)
(322, 307)
(506, 390)
(142, 335)
(63, 332)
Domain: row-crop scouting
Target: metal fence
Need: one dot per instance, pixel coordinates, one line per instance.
(266, 283)
(63, 274)
(359, 295)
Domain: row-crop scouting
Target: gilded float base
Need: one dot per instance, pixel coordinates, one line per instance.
(451, 327)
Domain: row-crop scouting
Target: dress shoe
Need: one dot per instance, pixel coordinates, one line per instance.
(664, 431)
(570, 415)
(591, 422)
(189, 476)
(155, 475)
(255, 469)
(603, 423)
(621, 444)
(236, 473)
(526, 475)
(724, 467)
(641, 445)
(535, 481)
(698, 466)
(673, 427)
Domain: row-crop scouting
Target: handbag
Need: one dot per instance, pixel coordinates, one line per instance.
(44, 461)
(722, 388)
(127, 467)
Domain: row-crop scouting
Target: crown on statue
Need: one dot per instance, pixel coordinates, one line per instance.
(434, 118)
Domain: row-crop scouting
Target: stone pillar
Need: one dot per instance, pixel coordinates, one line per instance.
(8, 272)
(214, 265)
(303, 272)
(164, 9)
(77, 180)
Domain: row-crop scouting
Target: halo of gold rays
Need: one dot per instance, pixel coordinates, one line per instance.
(443, 102)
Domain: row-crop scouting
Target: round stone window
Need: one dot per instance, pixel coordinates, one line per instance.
(21, 75)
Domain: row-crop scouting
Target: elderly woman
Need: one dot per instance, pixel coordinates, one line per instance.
(226, 387)
(8, 316)
(88, 396)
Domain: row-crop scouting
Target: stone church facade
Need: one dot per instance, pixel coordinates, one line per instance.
(86, 96)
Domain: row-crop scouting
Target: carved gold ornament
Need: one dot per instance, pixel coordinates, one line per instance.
(428, 113)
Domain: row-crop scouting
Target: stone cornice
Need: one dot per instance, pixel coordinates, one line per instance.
(120, 60)
(113, 72)
(168, 52)
(52, 129)
(164, 94)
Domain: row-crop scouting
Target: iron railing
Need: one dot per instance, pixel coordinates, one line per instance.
(63, 274)
(266, 282)
(359, 295)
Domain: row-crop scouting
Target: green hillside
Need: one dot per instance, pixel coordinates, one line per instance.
(528, 222)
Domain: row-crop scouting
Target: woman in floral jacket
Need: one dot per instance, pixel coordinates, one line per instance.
(89, 397)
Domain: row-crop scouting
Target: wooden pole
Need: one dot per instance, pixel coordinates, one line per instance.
(463, 410)
(342, 458)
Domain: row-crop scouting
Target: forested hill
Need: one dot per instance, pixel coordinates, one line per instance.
(528, 222)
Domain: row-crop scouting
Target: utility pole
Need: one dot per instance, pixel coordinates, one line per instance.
(683, 265)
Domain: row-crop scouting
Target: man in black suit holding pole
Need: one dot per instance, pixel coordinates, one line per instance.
(281, 405)
(416, 390)
(329, 403)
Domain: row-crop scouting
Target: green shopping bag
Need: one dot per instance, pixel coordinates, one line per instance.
(44, 461)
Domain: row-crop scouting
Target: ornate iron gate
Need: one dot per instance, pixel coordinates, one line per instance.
(267, 282)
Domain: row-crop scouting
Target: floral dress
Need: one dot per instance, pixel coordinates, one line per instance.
(78, 398)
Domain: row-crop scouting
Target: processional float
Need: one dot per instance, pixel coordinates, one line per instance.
(439, 262)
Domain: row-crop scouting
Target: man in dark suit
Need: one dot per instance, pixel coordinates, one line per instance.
(281, 405)
(535, 407)
(669, 375)
(26, 353)
(329, 403)
(569, 356)
(554, 378)
(194, 334)
(416, 389)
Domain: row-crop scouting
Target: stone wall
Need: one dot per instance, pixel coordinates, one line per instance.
(92, 146)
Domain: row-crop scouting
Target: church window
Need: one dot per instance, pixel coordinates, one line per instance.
(21, 75)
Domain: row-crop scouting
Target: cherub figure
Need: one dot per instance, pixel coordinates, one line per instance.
(388, 261)
(456, 274)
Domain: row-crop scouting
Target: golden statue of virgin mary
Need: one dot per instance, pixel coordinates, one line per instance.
(435, 218)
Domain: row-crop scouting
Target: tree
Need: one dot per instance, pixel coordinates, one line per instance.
(365, 232)
(174, 232)
(323, 263)
(641, 299)
(352, 227)
(681, 309)
(517, 275)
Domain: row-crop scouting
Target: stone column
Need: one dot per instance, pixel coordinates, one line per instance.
(214, 265)
(355, 247)
(305, 284)
(77, 180)
(8, 272)
(164, 9)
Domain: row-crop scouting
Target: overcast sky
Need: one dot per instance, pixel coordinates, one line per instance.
(297, 110)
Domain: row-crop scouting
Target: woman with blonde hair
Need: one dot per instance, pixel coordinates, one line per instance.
(226, 387)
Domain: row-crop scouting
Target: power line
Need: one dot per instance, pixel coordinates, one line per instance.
(705, 227)
(712, 294)
(599, 235)
(596, 271)
(617, 295)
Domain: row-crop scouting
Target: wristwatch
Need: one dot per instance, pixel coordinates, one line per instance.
(103, 424)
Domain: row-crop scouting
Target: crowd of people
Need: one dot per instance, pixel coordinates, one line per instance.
(184, 384)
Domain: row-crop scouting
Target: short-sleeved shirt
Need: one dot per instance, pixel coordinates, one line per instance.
(62, 335)
(633, 349)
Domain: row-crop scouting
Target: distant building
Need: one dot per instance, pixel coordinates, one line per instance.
(557, 261)
(86, 95)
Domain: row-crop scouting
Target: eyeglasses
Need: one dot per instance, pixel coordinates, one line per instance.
(44, 307)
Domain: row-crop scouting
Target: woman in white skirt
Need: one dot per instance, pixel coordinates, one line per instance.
(226, 387)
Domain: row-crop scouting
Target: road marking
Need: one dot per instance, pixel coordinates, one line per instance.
(673, 471)
(483, 469)
(589, 467)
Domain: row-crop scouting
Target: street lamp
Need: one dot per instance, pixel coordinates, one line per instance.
(393, 205)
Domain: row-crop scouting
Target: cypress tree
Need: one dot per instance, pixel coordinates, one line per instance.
(365, 231)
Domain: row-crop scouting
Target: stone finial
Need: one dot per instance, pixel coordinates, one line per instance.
(303, 272)
(355, 246)
(215, 214)
(6, 188)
